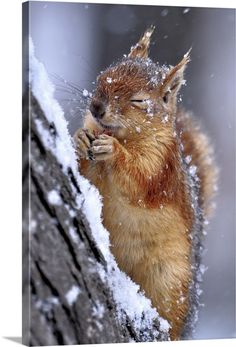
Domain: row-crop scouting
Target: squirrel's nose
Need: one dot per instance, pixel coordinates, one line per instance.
(97, 108)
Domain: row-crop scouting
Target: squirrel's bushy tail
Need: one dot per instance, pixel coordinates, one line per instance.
(200, 153)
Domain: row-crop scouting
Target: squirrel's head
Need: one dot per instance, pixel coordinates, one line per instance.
(136, 91)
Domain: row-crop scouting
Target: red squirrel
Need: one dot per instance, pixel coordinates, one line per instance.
(139, 149)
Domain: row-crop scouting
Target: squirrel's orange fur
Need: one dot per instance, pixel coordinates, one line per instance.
(129, 149)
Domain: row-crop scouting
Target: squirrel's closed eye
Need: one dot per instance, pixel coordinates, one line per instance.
(137, 100)
(140, 101)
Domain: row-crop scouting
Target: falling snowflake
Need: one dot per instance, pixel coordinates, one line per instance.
(109, 80)
(85, 93)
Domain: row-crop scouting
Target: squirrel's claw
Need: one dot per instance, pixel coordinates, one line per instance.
(103, 147)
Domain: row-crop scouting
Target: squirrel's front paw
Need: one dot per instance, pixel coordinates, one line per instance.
(104, 147)
(83, 139)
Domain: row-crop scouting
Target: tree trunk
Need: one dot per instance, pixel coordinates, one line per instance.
(65, 300)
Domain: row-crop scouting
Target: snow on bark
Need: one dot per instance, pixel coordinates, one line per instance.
(133, 311)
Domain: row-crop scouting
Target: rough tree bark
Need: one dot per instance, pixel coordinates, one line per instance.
(56, 261)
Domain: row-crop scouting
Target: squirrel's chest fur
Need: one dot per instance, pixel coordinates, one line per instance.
(140, 236)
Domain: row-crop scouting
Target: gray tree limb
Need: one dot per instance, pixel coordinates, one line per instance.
(65, 301)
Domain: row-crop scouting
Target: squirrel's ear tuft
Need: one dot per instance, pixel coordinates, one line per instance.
(140, 50)
(175, 78)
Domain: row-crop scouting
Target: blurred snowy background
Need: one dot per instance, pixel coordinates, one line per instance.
(76, 41)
